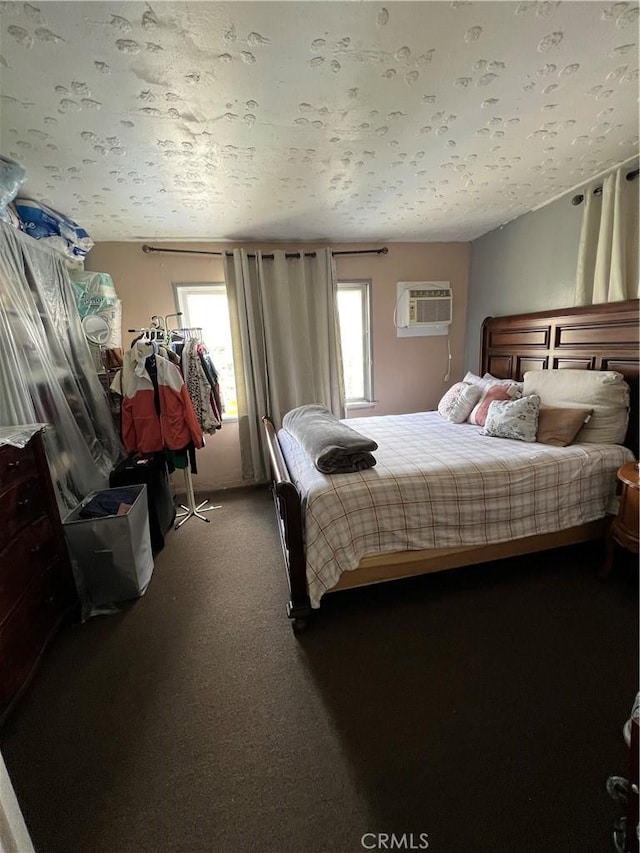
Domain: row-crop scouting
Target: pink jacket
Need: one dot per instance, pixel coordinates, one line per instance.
(142, 429)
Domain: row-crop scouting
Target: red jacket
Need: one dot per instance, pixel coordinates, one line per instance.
(142, 429)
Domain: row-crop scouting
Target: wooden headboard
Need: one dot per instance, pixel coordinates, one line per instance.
(596, 337)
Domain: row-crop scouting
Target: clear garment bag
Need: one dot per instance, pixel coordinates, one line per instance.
(47, 373)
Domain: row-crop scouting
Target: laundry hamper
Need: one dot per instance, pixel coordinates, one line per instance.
(110, 555)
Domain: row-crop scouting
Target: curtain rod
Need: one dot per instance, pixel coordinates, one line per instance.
(630, 176)
(148, 249)
(629, 163)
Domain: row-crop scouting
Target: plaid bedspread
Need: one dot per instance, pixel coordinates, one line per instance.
(442, 485)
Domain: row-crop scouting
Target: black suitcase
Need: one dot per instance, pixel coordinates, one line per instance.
(152, 471)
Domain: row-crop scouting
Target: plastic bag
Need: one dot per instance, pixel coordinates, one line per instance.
(8, 214)
(93, 291)
(60, 232)
(95, 294)
(12, 177)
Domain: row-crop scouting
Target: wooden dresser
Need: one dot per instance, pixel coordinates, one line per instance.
(36, 582)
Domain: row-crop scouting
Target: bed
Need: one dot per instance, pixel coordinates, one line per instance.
(453, 514)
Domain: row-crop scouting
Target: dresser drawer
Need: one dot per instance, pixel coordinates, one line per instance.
(19, 506)
(32, 622)
(16, 464)
(22, 559)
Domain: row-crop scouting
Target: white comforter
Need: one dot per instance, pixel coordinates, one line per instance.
(442, 485)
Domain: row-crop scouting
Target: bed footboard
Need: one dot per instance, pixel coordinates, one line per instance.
(289, 517)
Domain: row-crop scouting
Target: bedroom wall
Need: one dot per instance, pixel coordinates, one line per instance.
(527, 265)
(408, 372)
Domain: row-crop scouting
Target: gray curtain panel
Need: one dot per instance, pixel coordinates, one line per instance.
(286, 342)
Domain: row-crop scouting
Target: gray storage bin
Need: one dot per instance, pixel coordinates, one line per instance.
(111, 556)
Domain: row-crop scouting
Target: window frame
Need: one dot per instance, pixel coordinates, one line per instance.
(195, 285)
(364, 286)
(213, 287)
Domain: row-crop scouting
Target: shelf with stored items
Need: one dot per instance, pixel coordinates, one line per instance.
(114, 400)
(37, 589)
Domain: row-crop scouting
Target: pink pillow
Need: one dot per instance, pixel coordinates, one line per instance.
(478, 414)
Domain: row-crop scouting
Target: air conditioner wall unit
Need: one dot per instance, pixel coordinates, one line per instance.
(424, 308)
(429, 306)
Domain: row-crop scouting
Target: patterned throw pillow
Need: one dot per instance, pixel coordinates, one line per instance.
(513, 418)
(458, 402)
(478, 414)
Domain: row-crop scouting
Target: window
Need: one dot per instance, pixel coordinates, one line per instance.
(354, 314)
(206, 306)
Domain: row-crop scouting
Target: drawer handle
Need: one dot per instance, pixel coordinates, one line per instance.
(36, 549)
(23, 502)
(15, 464)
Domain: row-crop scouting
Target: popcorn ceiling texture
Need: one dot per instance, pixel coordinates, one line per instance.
(314, 120)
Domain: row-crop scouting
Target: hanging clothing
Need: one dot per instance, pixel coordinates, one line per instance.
(166, 352)
(180, 459)
(143, 428)
(152, 370)
(212, 378)
(199, 388)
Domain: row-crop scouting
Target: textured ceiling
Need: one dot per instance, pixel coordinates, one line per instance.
(350, 121)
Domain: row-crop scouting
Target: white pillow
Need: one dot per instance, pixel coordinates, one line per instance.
(474, 379)
(487, 381)
(513, 418)
(458, 402)
(495, 381)
(603, 391)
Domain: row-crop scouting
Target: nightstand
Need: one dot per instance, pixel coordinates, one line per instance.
(624, 528)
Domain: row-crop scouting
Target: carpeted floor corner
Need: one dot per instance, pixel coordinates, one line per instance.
(482, 707)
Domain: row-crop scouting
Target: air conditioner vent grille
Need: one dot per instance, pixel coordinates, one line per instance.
(429, 306)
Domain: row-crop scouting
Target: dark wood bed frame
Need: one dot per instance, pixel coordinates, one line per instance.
(597, 337)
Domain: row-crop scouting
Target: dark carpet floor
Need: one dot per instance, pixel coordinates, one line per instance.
(482, 707)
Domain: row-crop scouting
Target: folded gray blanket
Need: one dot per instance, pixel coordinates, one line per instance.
(334, 447)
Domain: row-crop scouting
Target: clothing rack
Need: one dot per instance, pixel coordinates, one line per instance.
(158, 333)
(150, 333)
(188, 334)
(191, 509)
(158, 328)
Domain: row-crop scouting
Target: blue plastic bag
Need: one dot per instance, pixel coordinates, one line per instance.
(62, 233)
